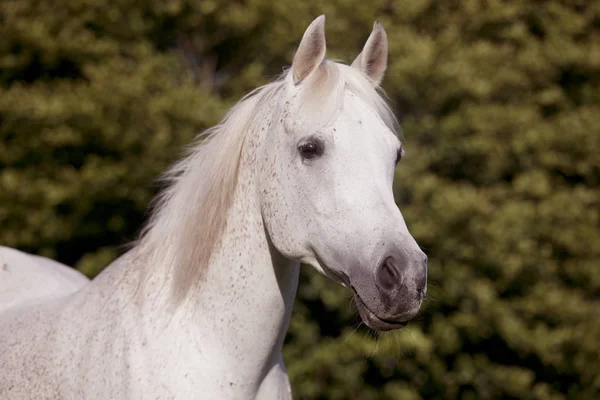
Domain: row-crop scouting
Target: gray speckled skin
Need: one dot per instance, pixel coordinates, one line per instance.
(118, 338)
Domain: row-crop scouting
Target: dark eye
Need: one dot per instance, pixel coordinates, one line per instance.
(310, 149)
(399, 155)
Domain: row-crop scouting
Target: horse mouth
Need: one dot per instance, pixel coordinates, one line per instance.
(372, 320)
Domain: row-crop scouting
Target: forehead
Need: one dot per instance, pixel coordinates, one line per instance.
(357, 116)
(333, 90)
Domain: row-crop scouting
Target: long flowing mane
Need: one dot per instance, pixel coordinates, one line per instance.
(190, 215)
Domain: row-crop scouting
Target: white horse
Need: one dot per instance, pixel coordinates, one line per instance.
(300, 171)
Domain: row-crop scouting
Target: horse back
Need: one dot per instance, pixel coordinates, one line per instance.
(26, 278)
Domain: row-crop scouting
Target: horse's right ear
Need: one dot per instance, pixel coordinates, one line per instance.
(311, 51)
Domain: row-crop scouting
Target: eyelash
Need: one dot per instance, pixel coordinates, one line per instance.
(399, 155)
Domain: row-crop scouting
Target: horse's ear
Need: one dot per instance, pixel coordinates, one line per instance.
(372, 61)
(311, 51)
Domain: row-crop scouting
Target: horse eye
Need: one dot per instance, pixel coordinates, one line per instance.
(399, 155)
(310, 149)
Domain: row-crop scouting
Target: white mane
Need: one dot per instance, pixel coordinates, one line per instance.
(190, 215)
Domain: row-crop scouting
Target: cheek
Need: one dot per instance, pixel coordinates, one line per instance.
(288, 237)
(317, 191)
(280, 212)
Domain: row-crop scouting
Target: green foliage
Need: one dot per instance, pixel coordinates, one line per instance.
(500, 104)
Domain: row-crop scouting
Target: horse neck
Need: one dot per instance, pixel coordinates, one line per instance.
(249, 288)
(233, 323)
(243, 305)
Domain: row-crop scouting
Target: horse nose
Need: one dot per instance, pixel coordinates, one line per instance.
(392, 272)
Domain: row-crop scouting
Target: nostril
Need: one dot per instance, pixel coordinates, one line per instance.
(389, 276)
(390, 269)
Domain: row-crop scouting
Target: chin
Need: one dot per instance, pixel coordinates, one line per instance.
(381, 324)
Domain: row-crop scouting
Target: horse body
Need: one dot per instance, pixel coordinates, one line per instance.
(300, 171)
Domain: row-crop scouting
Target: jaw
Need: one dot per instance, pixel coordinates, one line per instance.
(318, 264)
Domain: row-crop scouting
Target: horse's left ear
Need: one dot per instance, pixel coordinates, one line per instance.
(372, 61)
